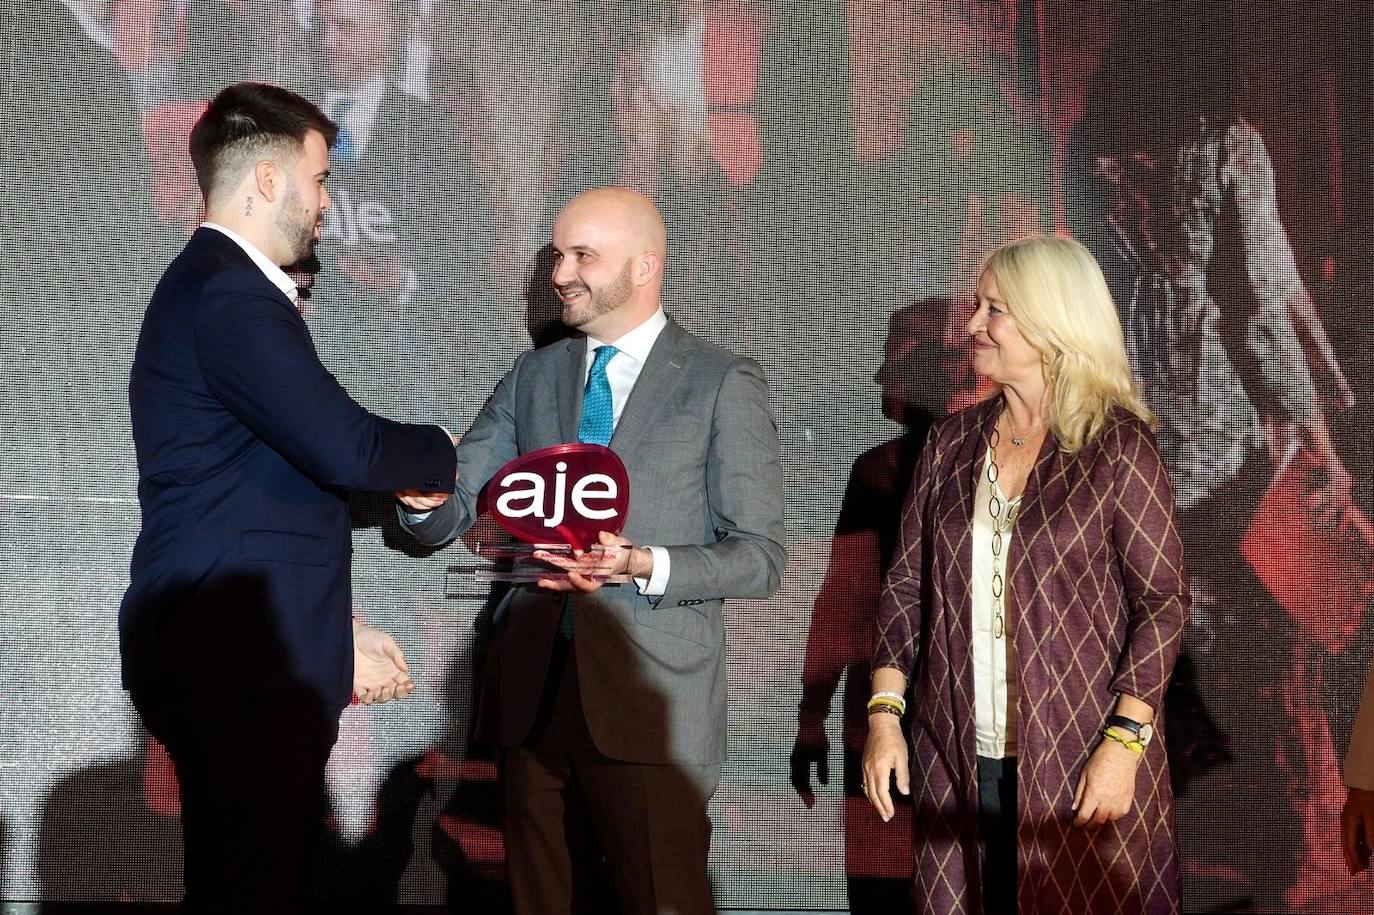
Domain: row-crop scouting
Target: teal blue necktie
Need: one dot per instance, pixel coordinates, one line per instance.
(598, 415)
(595, 428)
(345, 147)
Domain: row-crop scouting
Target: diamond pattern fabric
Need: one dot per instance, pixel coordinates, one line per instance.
(1099, 597)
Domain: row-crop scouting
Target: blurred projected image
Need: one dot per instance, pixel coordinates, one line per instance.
(832, 175)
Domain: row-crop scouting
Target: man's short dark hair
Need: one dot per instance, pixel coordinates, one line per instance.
(247, 122)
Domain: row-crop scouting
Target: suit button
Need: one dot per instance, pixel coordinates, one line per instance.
(431, 483)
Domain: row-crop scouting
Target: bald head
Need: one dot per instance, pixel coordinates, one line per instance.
(610, 244)
(621, 210)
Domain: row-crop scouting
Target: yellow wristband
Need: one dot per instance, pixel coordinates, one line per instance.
(1131, 744)
(883, 704)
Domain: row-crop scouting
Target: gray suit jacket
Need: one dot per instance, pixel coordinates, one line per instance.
(1359, 759)
(701, 448)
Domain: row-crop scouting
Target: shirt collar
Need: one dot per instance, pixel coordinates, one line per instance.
(275, 274)
(637, 343)
(363, 102)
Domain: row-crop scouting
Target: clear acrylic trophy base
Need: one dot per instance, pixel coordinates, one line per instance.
(515, 563)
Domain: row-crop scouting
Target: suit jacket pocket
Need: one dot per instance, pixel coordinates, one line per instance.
(288, 547)
(689, 622)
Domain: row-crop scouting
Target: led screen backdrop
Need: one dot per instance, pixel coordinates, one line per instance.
(831, 173)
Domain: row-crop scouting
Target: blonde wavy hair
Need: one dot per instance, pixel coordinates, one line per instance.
(1055, 290)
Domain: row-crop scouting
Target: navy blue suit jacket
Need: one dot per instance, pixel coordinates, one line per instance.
(247, 446)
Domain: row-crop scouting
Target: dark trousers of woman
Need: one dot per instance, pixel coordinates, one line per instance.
(997, 833)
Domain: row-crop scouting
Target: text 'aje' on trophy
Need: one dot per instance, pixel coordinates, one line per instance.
(553, 502)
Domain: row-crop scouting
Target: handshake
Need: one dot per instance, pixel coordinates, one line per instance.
(420, 502)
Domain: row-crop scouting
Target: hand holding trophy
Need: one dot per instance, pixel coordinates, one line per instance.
(565, 507)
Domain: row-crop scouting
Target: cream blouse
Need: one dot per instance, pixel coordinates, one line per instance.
(994, 656)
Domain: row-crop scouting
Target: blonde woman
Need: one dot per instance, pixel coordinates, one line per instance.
(1033, 610)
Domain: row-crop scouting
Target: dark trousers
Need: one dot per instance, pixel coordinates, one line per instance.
(568, 806)
(997, 833)
(251, 776)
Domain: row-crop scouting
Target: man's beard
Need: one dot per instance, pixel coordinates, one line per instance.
(599, 301)
(297, 225)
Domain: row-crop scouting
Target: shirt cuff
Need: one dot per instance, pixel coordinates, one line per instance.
(656, 585)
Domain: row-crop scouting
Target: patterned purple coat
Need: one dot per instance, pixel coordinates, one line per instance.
(1098, 600)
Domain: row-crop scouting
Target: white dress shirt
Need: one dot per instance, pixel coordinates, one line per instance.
(994, 657)
(622, 372)
(274, 273)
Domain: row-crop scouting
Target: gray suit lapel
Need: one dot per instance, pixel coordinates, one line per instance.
(570, 382)
(663, 371)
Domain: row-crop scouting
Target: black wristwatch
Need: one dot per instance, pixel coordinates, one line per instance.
(1143, 732)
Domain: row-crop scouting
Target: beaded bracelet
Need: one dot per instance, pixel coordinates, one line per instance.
(896, 699)
(881, 703)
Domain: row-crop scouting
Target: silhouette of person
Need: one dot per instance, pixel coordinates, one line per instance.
(918, 377)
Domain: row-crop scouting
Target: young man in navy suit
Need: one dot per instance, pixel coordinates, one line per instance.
(237, 643)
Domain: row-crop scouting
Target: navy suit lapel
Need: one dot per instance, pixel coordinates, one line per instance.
(662, 373)
(572, 378)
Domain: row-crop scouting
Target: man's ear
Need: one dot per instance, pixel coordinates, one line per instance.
(268, 177)
(647, 266)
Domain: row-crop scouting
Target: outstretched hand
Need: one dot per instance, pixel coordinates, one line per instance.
(380, 673)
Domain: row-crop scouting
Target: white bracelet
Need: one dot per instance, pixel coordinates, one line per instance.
(895, 697)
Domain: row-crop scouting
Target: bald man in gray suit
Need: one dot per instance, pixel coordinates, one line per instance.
(608, 703)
